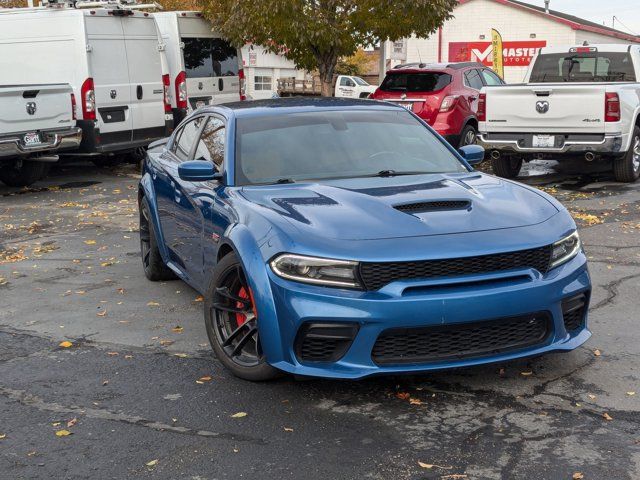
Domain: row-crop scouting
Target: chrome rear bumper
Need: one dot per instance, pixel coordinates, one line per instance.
(13, 145)
(608, 144)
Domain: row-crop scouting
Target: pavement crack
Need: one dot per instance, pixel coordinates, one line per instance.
(30, 400)
(612, 291)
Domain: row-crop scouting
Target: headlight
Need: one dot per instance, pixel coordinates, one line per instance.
(320, 271)
(565, 249)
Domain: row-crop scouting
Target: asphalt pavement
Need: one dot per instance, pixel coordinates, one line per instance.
(135, 391)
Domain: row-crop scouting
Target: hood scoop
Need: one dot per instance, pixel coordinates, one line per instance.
(434, 206)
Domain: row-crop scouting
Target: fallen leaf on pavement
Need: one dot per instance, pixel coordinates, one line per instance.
(403, 395)
(577, 476)
(180, 355)
(63, 433)
(166, 343)
(415, 401)
(199, 298)
(607, 417)
(72, 422)
(106, 264)
(631, 393)
(206, 378)
(90, 242)
(3, 436)
(102, 313)
(105, 383)
(527, 373)
(239, 415)
(128, 356)
(152, 463)
(592, 397)
(152, 304)
(288, 429)
(65, 344)
(597, 353)
(177, 329)
(112, 354)
(120, 291)
(429, 466)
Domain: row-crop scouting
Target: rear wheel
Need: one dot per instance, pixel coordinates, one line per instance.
(468, 136)
(152, 263)
(23, 173)
(506, 167)
(231, 320)
(627, 169)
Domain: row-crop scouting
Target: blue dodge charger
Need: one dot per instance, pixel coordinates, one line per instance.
(344, 238)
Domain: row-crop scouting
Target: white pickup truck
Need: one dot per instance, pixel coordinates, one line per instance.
(36, 121)
(576, 101)
(350, 86)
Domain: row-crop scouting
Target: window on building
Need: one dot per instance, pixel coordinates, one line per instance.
(398, 46)
(262, 82)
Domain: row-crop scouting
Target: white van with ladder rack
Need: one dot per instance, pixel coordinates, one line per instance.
(205, 68)
(111, 54)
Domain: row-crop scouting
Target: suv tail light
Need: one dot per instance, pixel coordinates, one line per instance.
(611, 107)
(166, 85)
(74, 116)
(482, 108)
(448, 102)
(181, 90)
(88, 99)
(243, 84)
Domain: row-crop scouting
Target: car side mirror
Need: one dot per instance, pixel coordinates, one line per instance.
(198, 171)
(473, 154)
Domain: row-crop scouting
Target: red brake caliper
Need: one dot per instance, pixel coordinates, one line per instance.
(241, 317)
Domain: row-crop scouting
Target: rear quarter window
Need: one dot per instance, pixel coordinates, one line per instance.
(415, 82)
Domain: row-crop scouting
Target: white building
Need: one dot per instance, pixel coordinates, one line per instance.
(262, 71)
(524, 28)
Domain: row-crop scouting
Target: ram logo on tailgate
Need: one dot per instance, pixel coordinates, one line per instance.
(31, 108)
(542, 107)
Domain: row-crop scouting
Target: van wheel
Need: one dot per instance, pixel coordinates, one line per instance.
(468, 136)
(506, 167)
(152, 263)
(23, 173)
(627, 169)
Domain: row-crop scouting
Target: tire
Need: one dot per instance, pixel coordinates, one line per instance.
(506, 167)
(23, 172)
(467, 136)
(152, 263)
(231, 323)
(627, 169)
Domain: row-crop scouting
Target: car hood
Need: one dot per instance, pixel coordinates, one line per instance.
(367, 208)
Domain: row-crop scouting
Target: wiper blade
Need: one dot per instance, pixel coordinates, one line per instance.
(284, 180)
(393, 173)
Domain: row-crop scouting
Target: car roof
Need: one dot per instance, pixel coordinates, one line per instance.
(435, 66)
(249, 108)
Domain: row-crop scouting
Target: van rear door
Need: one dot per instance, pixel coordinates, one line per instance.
(108, 68)
(145, 74)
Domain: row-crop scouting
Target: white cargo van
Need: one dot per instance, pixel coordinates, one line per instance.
(205, 69)
(110, 54)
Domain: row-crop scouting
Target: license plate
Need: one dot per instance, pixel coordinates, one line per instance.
(407, 105)
(544, 141)
(31, 139)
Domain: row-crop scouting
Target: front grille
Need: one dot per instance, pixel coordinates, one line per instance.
(462, 340)
(376, 275)
(324, 342)
(573, 312)
(435, 206)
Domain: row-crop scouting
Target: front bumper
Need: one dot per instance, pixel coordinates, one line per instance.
(413, 304)
(55, 140)
(566, 144)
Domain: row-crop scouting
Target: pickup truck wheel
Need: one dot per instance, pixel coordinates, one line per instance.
(23, 173)
(152, 263)
(506, 167)
(627, 169)
(468, 136)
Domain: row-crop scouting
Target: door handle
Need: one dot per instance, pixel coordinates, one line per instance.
(220, 84)
(139, 92)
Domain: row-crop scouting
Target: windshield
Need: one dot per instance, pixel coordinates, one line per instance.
(415, 82)
(583, 67)
(337, 144)
(209, 57)
(359, 81)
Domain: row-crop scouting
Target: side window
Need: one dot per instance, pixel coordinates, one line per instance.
(211, 144)
(491, 78)
(186, 139)
(346, 82)
(472, 79)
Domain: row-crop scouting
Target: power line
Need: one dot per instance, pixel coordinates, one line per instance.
(620, 22)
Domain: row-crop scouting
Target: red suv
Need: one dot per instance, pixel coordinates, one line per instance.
(445, 95)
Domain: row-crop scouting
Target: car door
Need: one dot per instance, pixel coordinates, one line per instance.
(473, 84)
(347, 87)
(174, 206)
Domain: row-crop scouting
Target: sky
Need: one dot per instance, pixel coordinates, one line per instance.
(627, 11)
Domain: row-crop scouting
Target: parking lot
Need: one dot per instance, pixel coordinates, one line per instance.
(138, 393)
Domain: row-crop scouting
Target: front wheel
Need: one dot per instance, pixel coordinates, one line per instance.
(627, 169)
(231, 320)
(506, 167)
(23, 173)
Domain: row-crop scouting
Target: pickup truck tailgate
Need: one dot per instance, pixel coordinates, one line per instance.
(546, 108)
(28, 108)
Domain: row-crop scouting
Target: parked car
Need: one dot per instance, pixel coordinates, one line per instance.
(577, 102)
(445, 95)
(204, 68)
(351, 86)
(344, 238)
(37, 121)
(113, 59)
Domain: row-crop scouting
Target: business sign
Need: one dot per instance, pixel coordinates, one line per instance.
(515, 54)
(498, 52)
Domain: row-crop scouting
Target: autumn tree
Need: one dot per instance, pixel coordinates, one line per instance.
(357, 64)
(314, 34)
